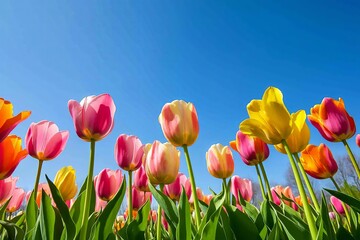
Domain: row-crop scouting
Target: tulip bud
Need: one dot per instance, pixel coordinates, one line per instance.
(7, 187)
(139, 198)
(107, 183)
(141, 181)
(65, 181)
(129, 152)
(173, 190)
(241, 186)
(219, 160)
(338, 205)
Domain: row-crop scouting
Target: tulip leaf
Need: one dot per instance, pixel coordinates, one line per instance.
(267, 214)
(47, 217)
(225, 225)
(3, 210)
(31, 214)
(275, 233)
(352, 202)
(292, 229)
(63, 209)
(14, 232)
(103, 227)
(137, 227)
(325, 219)
(183, 230)
(342, 233)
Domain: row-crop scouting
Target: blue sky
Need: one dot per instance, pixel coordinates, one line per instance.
(217, 54)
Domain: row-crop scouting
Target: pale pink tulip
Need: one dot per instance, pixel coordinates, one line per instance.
(107, 183)
(16, 200)
(129, 152)
(7, 187)
(241, 186)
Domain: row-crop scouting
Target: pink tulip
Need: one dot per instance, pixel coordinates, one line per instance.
(139, 198)
(338, 205)
(242, 186)
(93, 117)
(162, 163)
(332, 215)
(16, 200)
(99, 204)
(289, 194)
(7, 187)
(107, 183)
(44, 141)
(129, 152)
(252, 150)
(358, 140)
(141, 181)
(220, 161)
(173, 190)
(199, 194)
(286, 192)
(70, 202)
(275, 192)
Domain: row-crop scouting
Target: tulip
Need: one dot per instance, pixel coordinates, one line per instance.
(99, 204)
(338, 205)
(278, 191)
(139, 198)
(40, 188)
(162, 163)
(129, 152)
(332, 120)
(65, 181)
(332, 215)
(179, 123)
(275, 192)
(141, 181)
(358, 140)
(16, 200)
(173, 190)
(69, 203)
(220, 162)
(252, 150)
(44, 141)
(11, 153)
(268, 119)
(199, 194)
(318, 161)
(107, 183)
(299, 137)
(242, 186)
(299, 201)
(7, 121)
(93, 117)
(207, 199)
(7, 187)
(289, 194)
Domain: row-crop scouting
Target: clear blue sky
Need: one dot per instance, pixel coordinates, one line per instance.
(217, 54)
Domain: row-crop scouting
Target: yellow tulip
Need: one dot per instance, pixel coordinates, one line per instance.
(269, 118)
(65, 181)
(300, 136)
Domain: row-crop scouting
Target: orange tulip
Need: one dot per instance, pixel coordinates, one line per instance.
(7, 121)
(318, 161)
(11, 153)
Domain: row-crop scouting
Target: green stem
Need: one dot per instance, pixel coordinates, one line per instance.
(130, 197)
(158, 224)
(266, 181)
(260, 182)
(88, 192)
(352, 158)
(193, 186)
(307, 182)
(344, 205)
(38, 177)
(307, 209)
(227, 199)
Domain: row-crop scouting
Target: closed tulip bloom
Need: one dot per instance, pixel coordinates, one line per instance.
(300, 136)
(16, 200)
(219, 160)
(11, 153)
(318, 161)
(44, 141)
(269, 118)
(338, 205)
(162, 163)
(129, 152)
(289, 194)
(141, 181)
(179, 123)
(241, 186)
(7, 187)
(252, 150)
(358, 140)
(332, 120)
(173, 190)
(107, 183)
(275, 192)
(332, 215)
(7, 120)
(93, 117)
(139, 198)
(65, 181)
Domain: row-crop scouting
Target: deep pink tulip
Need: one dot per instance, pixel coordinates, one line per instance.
(139, 198)
(7, 187)
(129, 152)
(173, 190)
(107, 183)
(220, 161)
(338, 205)
(44, 141)
(16, 200)
(252, 150)
(93, 117)
(141, 181)
(242, 186)
(358, 140)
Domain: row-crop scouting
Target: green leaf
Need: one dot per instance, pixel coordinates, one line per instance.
(225, 224)
(183, 230)
(47, 217)
(267, 214)
(275, 233)
(137, 227)
(103, 226)
(242, 226)
(352, 202)
(292, 229)
(3, 210)
(14, 232)
(31, 214)
(63, 210)
(325, 219)
(342, 233)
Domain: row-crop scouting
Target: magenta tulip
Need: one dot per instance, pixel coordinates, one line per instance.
(93, 117)
(141, 181)
(107, 183)
(139, 198)
(44, 141)
(338, 205)
(358, 140)
(129, 152)
(241, 186)
(7, 187)
(16, 200)
(173, 190)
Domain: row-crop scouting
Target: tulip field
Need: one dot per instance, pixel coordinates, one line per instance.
(59, 209)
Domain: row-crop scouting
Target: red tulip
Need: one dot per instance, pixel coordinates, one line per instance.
(241, 186)
(16, 200)
(107, 183)
(129, 152)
